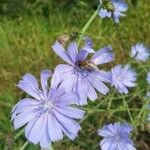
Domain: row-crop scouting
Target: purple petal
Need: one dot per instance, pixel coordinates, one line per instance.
(88, 45)
(106, 144)
(91, 93)
(73, 51)
(45, 141)
(54, 128)
(126, 128)
(29, 126)
(71, 125)
(82, 90)
(69, 134)
(45, 74)
(114, 146)
(68, 99)
(60, 51)
(70, 112)
(121, 146)
(59, 73)
(55, 94)
(122, 89)
(36, 132)
(29, 84)
(116, 17)
(24, 118)
(104, 13)
(106, 132)
(121, 6)
(68, 83)
(82, 55)
(103, 56)
(102, 75)
(130, 147)
(25, 105)
(98, 85)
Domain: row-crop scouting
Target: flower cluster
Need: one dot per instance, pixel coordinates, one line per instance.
(50, 112)
(113, 8)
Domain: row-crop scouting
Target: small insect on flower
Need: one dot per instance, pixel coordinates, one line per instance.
(81, 74)
(48, 114)
(148, 78)
(116, 137)
(123, 78)
(140, 52)
(113, 8)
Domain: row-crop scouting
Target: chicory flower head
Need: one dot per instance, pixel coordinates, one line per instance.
(122, 78)
(47, 115)
(81, 74)
(113, 8)
(140, 52)
(116, 137)
(148, 78)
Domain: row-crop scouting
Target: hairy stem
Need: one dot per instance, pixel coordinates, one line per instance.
(85, 28)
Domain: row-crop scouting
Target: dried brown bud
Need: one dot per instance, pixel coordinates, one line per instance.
(64, 39)
(9, 141)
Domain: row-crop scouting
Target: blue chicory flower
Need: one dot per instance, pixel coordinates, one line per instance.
(148, 77)
(48, 114)
(82, 74)
(113, 8)
(116, 137)
(140, 52)
(123, 77)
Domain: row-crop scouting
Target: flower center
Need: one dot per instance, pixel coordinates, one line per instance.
(81, 72)
(45, 107)
(82, 68)
(119, 78)
(117, 138)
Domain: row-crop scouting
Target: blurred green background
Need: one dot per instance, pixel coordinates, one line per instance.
(28, 28)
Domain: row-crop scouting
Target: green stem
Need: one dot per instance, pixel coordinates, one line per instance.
(143, 109)
(24, 146)
(93, 110)
(140, 64)
(51, 148)
(88, 24)
(19, 134)
(128, 110)
(89, 112)
(143, 66)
